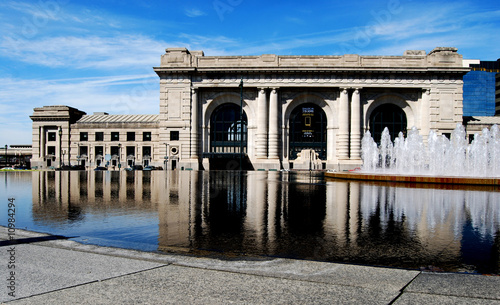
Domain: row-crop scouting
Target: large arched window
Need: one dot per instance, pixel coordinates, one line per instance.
(226, 129)
(308, 130)
(390, 116)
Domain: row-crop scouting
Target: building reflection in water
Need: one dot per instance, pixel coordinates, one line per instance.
(285, 214)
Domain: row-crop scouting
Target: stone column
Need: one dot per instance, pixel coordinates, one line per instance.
(343, 135)
(262, 109)
(355, 126)
(273, 125)
(194, 124)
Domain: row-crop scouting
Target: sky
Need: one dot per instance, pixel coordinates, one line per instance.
(99, 55)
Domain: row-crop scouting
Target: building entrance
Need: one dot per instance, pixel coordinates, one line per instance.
(390, 116)
(228, 138)
(308, 130)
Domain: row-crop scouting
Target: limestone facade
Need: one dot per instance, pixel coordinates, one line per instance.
(330, 101)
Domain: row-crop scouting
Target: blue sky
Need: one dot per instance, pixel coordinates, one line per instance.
(98, 55)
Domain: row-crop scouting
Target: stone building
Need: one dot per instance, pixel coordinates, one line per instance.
(299, 112)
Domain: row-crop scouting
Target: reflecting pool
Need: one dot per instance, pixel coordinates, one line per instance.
(278, 214)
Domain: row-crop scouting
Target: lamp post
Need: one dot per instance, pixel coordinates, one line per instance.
(241, 121)
(166, 155)
(119, 155)
(60, 145)
(63, 153)
(6, 155)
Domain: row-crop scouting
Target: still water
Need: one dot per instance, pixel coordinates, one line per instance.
(279, 214)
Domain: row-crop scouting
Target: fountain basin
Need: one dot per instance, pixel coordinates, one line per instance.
(414, 178)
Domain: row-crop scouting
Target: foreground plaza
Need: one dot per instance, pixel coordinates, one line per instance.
(299, 112)
(85, 274)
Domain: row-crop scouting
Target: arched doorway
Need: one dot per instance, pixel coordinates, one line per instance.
(228, 137)
(390, 116)
(308, 130)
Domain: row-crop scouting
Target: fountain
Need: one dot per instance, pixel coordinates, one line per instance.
(441, 160)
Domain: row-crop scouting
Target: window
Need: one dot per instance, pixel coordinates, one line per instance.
(115, 150)
(146, 136)
(308, 130)
(390, 116)
(130, 151)
(174, 136)
(84, 150)
(84, 136)
(131, 136)
(146, 151)
(51, 150)
(115, 136)
(51, 136)
(99, 151)
(99, 136)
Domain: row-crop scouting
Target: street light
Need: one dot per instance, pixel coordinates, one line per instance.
(241, 121)
(166, 156)
(119, 154)
(60, 145)
(6, 155)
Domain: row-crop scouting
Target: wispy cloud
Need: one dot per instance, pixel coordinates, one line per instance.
(193, 12)
(125, 94)
(95, 52)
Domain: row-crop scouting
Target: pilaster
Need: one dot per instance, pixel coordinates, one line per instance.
(194, 124)
(273, 125)
(355, 146)
(343, 134)
(262, 112)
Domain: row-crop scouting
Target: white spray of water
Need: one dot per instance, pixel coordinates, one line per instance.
(441, 156)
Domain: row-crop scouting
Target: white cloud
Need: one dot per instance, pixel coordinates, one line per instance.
(193, 12)
(131, 51)
(124, 94)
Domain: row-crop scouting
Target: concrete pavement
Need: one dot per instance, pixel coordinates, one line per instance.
(54, 270)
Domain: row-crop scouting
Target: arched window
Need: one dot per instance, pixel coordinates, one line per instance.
(390, 116)
(308, 130)
(226, 129)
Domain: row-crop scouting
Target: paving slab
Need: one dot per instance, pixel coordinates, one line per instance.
(185, 285)
(431, 299)
(39, 269)
(455, 284)
(388, 279)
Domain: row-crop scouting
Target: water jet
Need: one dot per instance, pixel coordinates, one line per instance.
(440, 160)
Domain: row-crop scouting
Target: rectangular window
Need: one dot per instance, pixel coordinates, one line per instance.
(130, 151)
(131, 136)
(84, 136)
(51, 136)
(146, 151)
(51, 150)
(146, 136)
(115, 150)
(115, 136)
(99, 136)
(84, 150)
(99, 151)
(174, 135)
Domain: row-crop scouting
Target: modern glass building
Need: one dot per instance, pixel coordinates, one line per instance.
(482, 89)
